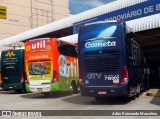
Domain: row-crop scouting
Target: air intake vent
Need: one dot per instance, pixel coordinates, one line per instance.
(102, 62)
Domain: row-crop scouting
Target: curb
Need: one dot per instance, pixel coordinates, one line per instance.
(155, 93)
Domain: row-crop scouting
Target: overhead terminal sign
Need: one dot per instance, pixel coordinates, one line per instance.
(3, 12)
(147, 8)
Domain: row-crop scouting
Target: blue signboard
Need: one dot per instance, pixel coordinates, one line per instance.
(143, 9)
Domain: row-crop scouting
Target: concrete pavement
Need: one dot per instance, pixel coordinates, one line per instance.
(154, 92)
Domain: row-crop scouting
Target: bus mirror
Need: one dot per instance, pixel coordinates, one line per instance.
(76, 48)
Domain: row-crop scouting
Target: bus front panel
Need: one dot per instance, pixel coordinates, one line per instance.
(101, 59)
(12, 70)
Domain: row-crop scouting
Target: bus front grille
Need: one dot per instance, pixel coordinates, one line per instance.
(102, 62)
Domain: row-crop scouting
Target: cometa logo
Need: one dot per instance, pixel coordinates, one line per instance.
(97, 44)
(10, 54)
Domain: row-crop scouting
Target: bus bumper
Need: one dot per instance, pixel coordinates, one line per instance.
(15, 86)
(115, 91)
(41, 88)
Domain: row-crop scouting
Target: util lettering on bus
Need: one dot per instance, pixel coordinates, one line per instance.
(74, 68)
(71, 70)
(68, 69)
(40, 44)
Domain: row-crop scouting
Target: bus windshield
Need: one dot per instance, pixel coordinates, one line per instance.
(39, 68)
(100, 37)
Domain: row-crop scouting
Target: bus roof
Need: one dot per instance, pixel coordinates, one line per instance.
(99, 22)
(67, 42)
(73, 39)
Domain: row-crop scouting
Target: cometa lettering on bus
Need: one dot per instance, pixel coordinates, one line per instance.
(104, 44)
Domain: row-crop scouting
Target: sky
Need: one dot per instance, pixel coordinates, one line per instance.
(78, 6)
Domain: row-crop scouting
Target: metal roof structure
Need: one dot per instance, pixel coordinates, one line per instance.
(137, 25)
(145, 23)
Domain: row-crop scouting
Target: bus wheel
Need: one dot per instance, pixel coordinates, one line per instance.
(73, 88)
(25, 91)
(18, 91)
(133, 97)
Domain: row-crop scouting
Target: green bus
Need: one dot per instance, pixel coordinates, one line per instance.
(12, 70)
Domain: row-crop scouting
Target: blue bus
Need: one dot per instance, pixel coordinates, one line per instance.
(111, 60)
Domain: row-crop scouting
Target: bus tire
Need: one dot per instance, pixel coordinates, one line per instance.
(73, 88)
(133, 97)
(25, 91)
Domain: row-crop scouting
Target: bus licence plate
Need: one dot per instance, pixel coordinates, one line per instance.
(102, 92)
(39, 89)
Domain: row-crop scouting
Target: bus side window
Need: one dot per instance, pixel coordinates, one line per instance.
(66, 49)
(72, 51)
(62, 48)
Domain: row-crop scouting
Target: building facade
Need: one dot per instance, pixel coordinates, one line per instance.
(17, 16)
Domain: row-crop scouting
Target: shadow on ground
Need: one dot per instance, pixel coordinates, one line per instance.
(91, 101)
(42, 96)
(156, 99)
(10, 92)
(77, 99)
